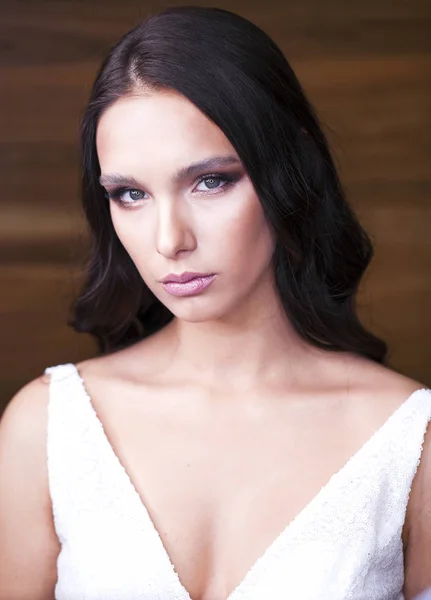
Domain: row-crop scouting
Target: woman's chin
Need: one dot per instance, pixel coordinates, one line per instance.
(196, 309)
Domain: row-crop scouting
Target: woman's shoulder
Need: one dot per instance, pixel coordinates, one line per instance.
(28, 536)
(25, 413)
(23, 427)
(380, 389)
(139, 361)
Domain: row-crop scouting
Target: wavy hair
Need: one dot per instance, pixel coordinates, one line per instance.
(237, 76)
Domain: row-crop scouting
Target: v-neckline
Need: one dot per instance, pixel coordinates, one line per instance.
(279, 539)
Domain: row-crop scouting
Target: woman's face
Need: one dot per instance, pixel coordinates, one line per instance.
(206, 220)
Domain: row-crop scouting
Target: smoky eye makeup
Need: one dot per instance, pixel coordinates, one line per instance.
(211, 184)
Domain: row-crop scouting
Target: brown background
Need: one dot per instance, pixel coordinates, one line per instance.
(365, 65)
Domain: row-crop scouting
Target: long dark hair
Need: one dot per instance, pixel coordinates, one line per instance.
(238, 77)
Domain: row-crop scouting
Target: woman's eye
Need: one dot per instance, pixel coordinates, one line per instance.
(133, 195)
(125, 197)
(211, 183)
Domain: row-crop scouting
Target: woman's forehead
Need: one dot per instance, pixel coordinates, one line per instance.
(168, 113)
(154, 129)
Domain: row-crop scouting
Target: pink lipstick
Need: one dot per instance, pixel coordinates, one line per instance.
(187, 284)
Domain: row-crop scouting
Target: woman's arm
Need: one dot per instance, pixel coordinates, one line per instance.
(418, 552)
(28, 544)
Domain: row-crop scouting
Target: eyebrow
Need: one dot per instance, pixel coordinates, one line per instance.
(209, 164)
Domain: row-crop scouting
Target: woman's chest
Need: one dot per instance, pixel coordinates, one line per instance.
(219, 495)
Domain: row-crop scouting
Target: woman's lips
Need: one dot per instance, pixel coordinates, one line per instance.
(189, 288)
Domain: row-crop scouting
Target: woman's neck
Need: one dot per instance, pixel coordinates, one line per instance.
(241, 352)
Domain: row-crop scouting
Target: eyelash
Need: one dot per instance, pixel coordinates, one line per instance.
(228, 181)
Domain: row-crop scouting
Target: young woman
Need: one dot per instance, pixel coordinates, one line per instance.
(239, 434)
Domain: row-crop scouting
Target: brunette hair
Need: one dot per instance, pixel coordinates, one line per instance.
(238, 77)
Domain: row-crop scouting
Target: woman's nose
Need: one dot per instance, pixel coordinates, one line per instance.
(174, 231)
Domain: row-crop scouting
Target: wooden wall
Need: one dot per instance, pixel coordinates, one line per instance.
(365, 65)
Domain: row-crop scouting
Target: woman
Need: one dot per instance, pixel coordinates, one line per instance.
(239, 435)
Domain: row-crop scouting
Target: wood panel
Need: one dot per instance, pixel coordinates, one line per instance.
(367, 68)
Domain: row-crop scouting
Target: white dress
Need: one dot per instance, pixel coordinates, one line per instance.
(344, 545)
